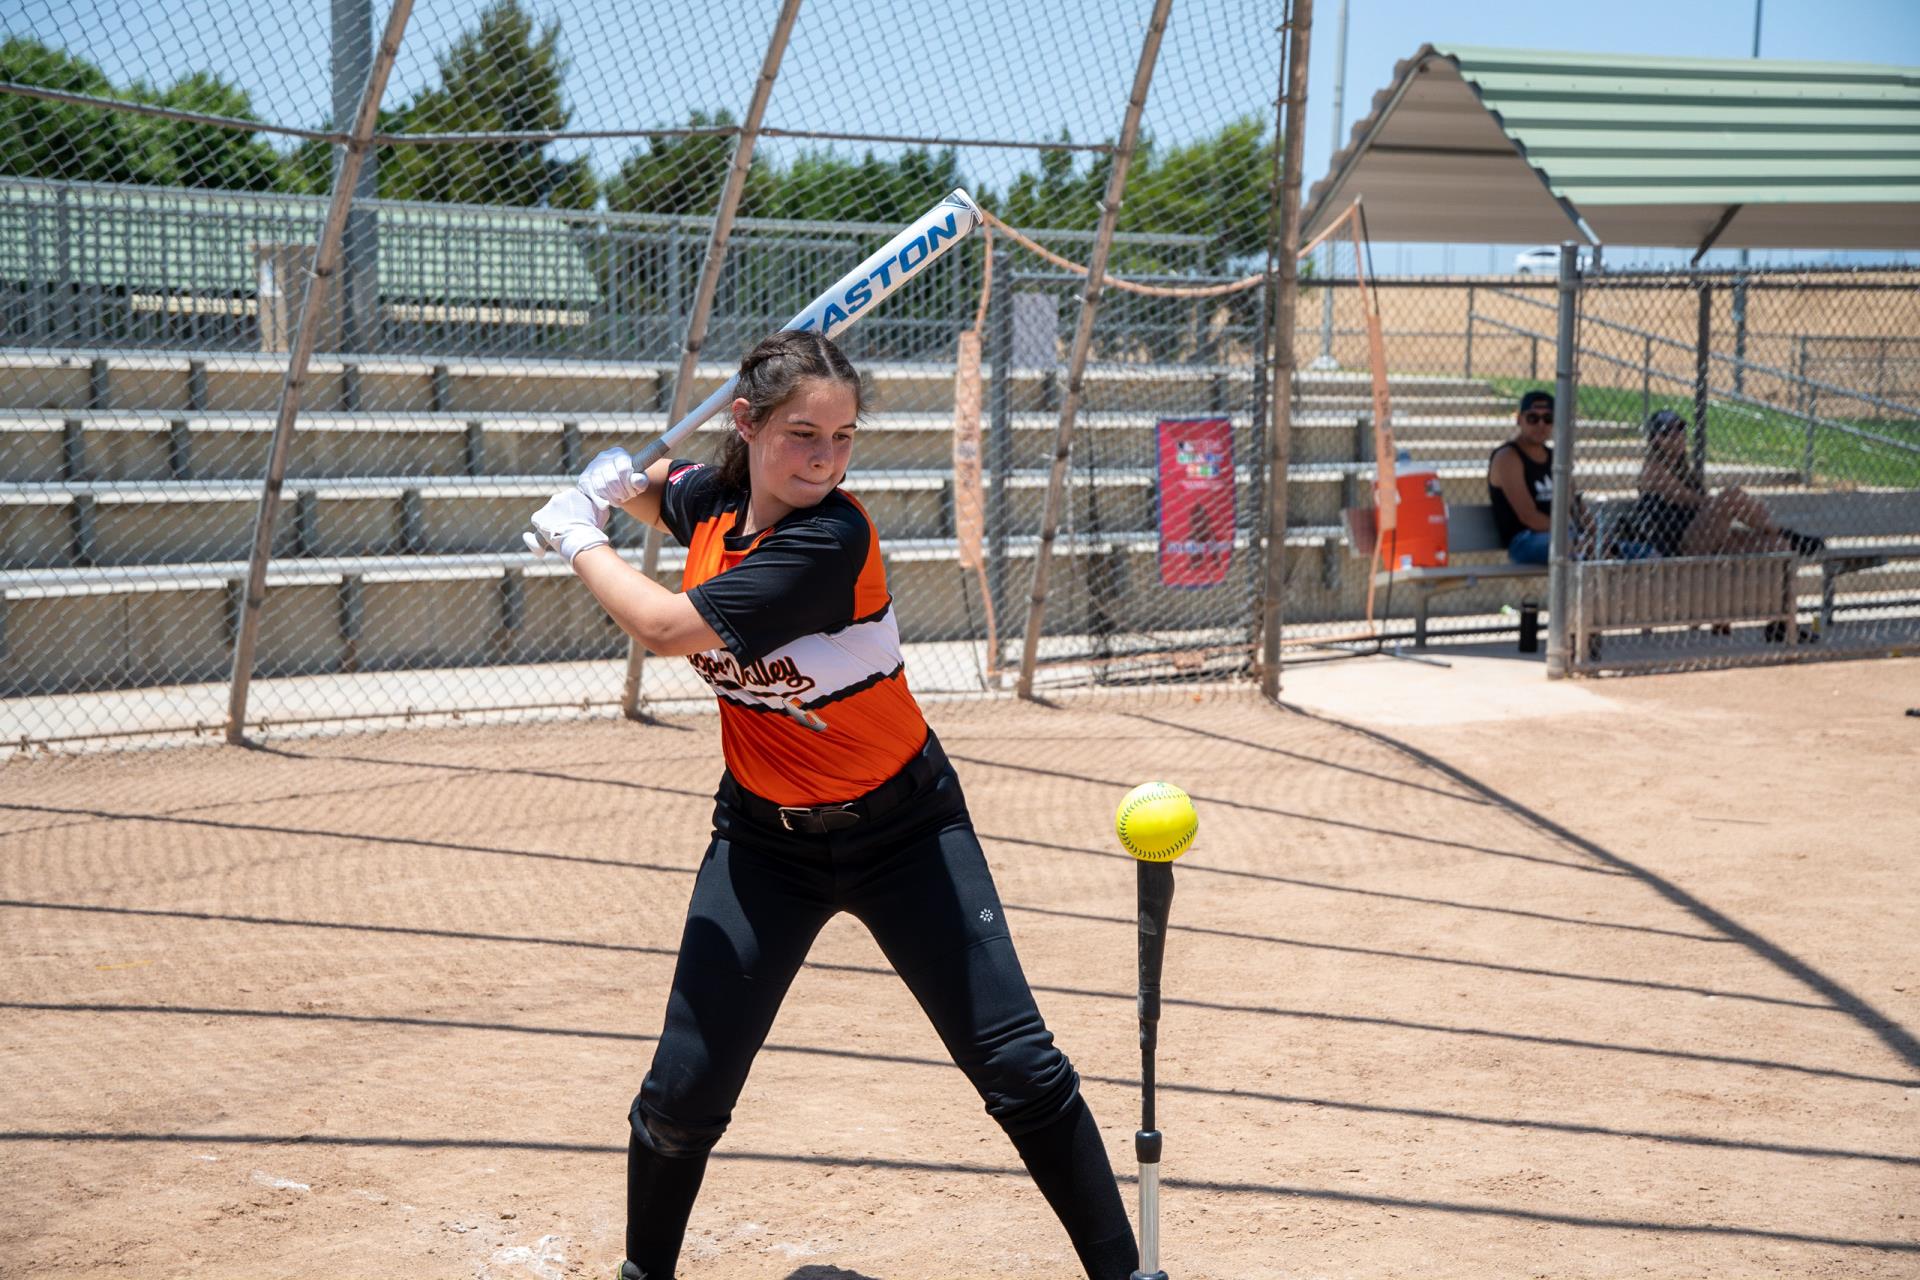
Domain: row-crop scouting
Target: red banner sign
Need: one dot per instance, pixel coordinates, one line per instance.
(1196, 501)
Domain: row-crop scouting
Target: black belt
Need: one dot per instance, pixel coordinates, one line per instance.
(817, 820)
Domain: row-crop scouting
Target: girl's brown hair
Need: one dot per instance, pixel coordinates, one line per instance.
(772, 372)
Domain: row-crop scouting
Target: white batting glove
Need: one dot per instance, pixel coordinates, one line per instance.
(570, 523)
(610, 479)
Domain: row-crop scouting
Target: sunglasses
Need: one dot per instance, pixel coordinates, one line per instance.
(1536, 419)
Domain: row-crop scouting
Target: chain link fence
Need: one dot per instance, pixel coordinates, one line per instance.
(542, 254)
(520, 261)
(1156, 564)
(1770, 505)
(1450, 393)
(1776, 516)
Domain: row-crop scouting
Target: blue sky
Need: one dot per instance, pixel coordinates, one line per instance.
(989, 68)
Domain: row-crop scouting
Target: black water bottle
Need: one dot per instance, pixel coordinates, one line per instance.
(1529, 627)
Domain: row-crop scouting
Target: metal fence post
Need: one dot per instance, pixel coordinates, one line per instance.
(1283, 290)
(359, 301)
(326, 262)
(1565, 413)
(703, 301)
(1739, 334)
(1702, 373)
(1083, 340)
(675, 303)
(1471, 294)
(1247, 508)
(1806, 411)
(1646, 377)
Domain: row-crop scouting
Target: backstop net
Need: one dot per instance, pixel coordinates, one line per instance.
(521, 263)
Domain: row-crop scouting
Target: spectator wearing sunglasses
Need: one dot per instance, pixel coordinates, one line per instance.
(1677, 515)
(1520, 483)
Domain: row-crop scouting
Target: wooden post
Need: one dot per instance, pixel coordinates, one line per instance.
(1083, 340)
(716, 258)
(1284, 292)
(326, 263)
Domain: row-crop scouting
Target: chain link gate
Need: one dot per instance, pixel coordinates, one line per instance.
(1142, 590)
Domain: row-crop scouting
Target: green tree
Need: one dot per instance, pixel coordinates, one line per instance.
(1215, 186)
(1058, 195)
(504, 76)
(42, 139)
(684, 174)
(178, 153)
(308, 169)
(821, 186)
(571, 184)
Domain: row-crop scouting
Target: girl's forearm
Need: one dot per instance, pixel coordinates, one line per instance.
(664, 621)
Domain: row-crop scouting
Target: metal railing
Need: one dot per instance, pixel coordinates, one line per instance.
(1737, 365)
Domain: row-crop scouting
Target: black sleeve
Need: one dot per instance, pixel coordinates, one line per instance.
(687, 497)
(799, 580)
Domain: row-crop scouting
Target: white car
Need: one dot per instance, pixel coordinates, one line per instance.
(1545, 261)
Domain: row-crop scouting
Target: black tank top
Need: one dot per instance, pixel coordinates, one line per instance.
(1538, 477)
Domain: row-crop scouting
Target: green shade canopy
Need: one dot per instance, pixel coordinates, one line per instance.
(1473, 145)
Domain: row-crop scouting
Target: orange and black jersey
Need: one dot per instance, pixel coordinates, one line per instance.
(803, 610)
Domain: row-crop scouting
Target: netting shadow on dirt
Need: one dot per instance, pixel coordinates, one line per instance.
(377, 1006)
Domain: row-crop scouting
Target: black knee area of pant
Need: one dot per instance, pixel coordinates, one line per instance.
(1046, 1095)
(668, 1138)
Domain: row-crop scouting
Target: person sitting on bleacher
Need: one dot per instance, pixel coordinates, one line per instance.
(1676, 514)
(1520, 484)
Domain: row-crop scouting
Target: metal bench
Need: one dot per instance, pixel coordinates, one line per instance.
(1864, 531)
(44, 523)
(1470, 531)
(213, 380)
(1680, 591)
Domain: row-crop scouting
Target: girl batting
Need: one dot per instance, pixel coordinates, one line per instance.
(836, 797)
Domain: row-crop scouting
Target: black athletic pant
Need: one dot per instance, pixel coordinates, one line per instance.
(914, 874)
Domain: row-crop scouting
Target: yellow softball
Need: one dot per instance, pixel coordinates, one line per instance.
(1156, 822)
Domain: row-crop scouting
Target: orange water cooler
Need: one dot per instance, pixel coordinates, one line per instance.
(1419, 540)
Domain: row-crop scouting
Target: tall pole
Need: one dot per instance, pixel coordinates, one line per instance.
(326, 264)
(1326, 360)
(1746, 256)
(1560, 546)
(1083, 340)
(1286, 295)
(359, 249)
(716, 258)
(1702, 378)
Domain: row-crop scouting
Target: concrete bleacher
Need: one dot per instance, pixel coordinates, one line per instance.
(129, 483)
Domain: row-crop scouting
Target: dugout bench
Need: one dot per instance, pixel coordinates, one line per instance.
(1865, 530)
(1470, 530)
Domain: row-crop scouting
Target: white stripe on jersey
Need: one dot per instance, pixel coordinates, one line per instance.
(813, 670)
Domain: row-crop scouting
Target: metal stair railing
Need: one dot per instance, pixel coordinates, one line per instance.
(1738, 401)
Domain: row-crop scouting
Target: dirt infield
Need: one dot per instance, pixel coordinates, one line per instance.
(1622, 983)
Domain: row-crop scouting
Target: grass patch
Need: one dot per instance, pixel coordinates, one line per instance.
(1767, 438)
